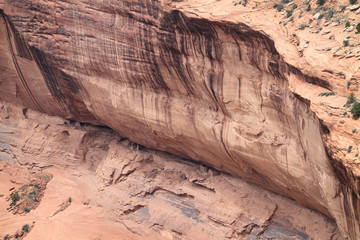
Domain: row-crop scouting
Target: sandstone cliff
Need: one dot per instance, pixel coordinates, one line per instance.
(178, 77)
(121, 190)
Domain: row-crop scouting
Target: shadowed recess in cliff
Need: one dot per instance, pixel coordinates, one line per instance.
(310, 79)
(350, 190)
(193, 86)
(63, 88)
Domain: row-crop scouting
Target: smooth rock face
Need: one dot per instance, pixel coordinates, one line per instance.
(211, 91)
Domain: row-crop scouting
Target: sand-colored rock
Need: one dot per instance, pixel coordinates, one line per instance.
(354, 7)
(129, 192)
(200, 79)
(350, 29)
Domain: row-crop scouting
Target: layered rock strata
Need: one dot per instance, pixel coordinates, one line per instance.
(120, 189)
(212, 91)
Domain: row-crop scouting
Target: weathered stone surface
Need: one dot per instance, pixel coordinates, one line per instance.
(353, 7)
(325, 31)
(349, 29)
(316, 16)
(119, 188)
(210, 90)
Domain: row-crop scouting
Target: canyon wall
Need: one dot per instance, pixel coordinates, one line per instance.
(119, 188)
(212, 91)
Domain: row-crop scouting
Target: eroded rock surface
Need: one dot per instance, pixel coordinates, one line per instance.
(210, 89)
(119, 188)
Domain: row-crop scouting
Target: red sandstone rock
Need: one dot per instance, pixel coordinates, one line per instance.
(178, 77)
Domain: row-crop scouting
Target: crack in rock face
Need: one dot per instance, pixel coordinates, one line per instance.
(213, 91)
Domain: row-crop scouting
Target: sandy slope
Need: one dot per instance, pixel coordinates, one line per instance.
(78, 221)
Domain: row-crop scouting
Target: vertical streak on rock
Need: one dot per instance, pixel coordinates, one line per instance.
(63, 88)
(349, 191)
(16, 64)
(147, 68)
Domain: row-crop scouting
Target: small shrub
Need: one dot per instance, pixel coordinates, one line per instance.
(354, 131)
(348, 84)
(17, 235)
(25, 228)
(289, 13)
(353, 1)
(346, 43)
(26, 210)
(279, 7)
(327, 94)
(358, 28)
(356, 155)
(349, 149)
(351, 98)
(69, 199)
(285, 1)
(15, 197)
(46, 177)
(347, 24)
(294, 6)
(329, 14)
(7, 236)
(341, 73)
(303, 26)
(355, 110)
(320, 2)
(308, 9)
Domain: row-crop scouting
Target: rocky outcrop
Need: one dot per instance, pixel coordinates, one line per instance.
(151, 194)
(209, 90)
